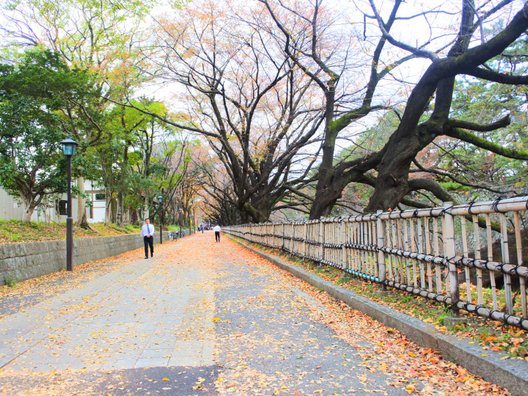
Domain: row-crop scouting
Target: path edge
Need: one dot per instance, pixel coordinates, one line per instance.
(508, 373)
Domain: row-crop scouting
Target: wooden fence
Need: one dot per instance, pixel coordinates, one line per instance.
(470, 257)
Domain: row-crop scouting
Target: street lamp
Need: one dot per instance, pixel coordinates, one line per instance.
(68, 149)
(160, 202)
(180, 220)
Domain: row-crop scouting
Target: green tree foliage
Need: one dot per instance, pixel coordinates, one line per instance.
(475, 171)
(36, 94)
(140, 156)
(96, 36)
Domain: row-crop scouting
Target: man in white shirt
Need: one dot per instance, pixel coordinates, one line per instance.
(147, 232)
(217, 230)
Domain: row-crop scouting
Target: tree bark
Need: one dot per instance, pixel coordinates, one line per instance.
(327, 196)
(146, 213)
(120, 208)
(393, 171)
(82, 219)
(322, 205)
(108, 206)
(29, 209)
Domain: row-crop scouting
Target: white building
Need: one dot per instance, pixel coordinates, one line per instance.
(96, 213)
(12, 208)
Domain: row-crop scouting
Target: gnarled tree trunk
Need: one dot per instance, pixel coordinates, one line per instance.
(82, 219)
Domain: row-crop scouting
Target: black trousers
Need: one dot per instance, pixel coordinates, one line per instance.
(217, 236)
(149, 242)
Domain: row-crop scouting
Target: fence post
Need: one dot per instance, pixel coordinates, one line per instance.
(449, 254)
(321, 241)
(292, 238)
(380, 242)
(305, 238)
(282, 248)
(343, 240)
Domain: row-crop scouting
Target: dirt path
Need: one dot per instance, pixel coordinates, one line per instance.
(204, 318)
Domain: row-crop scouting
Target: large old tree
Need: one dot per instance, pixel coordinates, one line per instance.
(251, 103)
(437, 85)
(309, 41)
(469, 53)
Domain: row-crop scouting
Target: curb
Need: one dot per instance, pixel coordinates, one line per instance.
(510, 374)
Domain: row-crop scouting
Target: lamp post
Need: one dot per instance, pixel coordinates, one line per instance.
(160, 202)
(180, 221)
(68, 149)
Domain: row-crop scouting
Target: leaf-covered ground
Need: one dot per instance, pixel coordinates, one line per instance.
(492, 336)
(202, 318)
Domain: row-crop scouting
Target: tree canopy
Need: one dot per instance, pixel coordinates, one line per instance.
(296, 107)
(40, 99)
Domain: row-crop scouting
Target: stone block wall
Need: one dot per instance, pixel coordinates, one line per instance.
(21, 261)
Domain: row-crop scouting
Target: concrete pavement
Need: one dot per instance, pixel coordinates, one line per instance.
(200, 318)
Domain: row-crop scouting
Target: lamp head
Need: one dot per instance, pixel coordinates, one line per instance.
(68, 147)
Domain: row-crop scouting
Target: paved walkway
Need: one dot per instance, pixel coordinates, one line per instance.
(203, 318)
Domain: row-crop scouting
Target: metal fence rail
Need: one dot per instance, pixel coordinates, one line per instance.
(469, 256)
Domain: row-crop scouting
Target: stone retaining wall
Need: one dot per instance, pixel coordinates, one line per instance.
(22, 261)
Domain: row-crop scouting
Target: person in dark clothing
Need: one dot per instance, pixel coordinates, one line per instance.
(217, 230)
(147, 232)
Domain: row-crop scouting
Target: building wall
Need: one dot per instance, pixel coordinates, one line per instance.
(11, 208)
(21, 261)
(97, 212)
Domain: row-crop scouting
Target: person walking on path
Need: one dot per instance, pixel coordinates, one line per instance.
(147, 232)
(217, 230)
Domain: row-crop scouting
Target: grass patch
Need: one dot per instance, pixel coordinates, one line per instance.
(344, 280)
(9, 281)
(15, 231)
(114, 229)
